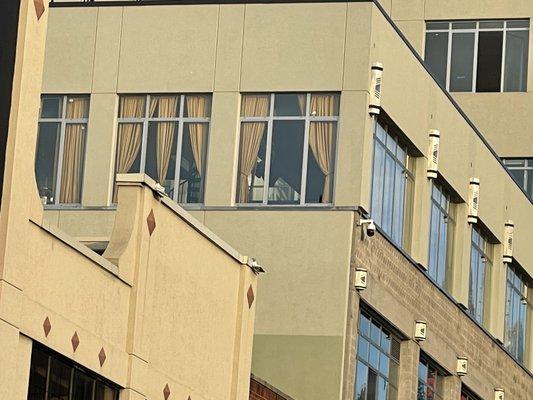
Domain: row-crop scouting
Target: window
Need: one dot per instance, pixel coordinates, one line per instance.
(165, 136)
(468, 395)
(442, 227)
(522, 171)
(430, 380)
(480, 263)
(61, 148)
(56, 378)
(392, 185)
(515, 313)
(378, 361)
(479, 56)
(287, 148)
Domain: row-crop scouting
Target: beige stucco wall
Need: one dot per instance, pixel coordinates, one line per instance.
(240, 48)
(504, 118)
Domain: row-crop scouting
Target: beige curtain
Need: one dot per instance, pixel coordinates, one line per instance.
(129, 134)
(321, 138)
(302, 100)
(197, 107)
(70, 189)
(166, 108)
(251, 136)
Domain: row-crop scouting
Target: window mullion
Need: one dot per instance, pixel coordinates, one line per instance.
(60, 151)
(145, 134)
(474, 62)
(47, 387)
(71, 394)
(449, 60)
(504, 41)
(268, 149)
(305, 151)
(177, 171)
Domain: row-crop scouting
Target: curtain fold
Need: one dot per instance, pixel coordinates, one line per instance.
(71, 172)
(321, 139)
(251, 136)
(197, 107)
(129, 134)
(166, 108)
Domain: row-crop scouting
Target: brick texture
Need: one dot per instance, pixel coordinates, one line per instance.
(402, 293)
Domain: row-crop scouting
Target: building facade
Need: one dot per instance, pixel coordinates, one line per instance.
(255, 117)
(164, 311)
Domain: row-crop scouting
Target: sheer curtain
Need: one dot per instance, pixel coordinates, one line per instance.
(197, 106)
(74, 143)
(129, 134)
(322, 137)
(251, 136)
(166, 107)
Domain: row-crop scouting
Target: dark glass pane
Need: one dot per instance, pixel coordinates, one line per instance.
(385, 341)
(372, 385)
(378, 176)
(51, 106)
(384, 364)
(82, 387)
(422, 371)
(518, 23)
(364, 324)
(462, 62)
(290, 104)
(529, 186)
(490, 24)
(388, 194)
(161, 153)
(489, 62)
(59, 386)
(373, 357)
(464, 25)
(104, 392)
(436, 54)
(437, 25)
(421, 392)
(382, 389)
(193, 163)
(516, 60)
(375, 333)
(362, 348)
(38, 374)
(286, 162)
(46, 160)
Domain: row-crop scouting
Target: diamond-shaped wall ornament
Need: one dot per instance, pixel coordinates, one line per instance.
(251, 296)
(150, 220)
(102, 356)
(166, 391)
(75, 340)
(47, 326)
(39, 8)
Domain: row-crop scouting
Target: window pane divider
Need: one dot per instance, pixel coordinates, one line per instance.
(504, 42)
(177, 170)
(305, 149)
(474, 65)
(60, 151)
(268, 150)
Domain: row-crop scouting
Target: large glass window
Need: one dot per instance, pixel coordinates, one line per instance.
(516, 308)
(430, 380)
(479, 56)
(287, 148)
(165, 136)
(442, 228)
(480, 269)
(56, 378)
(378, 360)
(392, 185)
(522, 171)
(60, 151)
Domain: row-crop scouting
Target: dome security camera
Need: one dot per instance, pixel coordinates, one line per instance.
(371, 227)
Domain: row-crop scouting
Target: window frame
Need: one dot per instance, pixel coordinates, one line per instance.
(63, 121)
(527, 171)
(180, 120)
(440, 374)
(467, 394)
(308, 119)
(450, 31)
(486, 256)
(373, 319)
(409, 169)
(513, 274)
(448, 215)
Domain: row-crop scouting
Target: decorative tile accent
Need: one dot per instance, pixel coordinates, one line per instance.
(251, 296)
(102, 356)
(47, 326)
(75, 340)
(150, 220)
(39, 8)
(166, 391)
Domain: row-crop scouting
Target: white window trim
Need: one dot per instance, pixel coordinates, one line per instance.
(476, 31)
(64, 121)
(269, 120)
(180, 120)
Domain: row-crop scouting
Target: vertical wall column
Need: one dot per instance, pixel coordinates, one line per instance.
(452, 388)
(497, 294)
(408, 382)
(15, 359)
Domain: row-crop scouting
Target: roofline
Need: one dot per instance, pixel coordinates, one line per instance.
(131, 3)
(140, 179)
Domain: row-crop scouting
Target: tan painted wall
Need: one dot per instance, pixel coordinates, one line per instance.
(504, 118)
